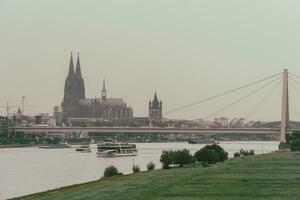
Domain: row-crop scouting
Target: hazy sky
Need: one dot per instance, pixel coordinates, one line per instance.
(185, 50)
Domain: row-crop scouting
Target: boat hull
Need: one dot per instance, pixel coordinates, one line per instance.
(83, 150)
(114, 155)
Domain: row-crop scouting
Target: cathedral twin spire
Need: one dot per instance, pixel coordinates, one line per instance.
(76, 74)
(75, 80)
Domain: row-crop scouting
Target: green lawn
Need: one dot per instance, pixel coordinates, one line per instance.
(271, 176)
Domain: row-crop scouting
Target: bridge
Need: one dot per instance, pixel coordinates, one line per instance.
(283, 78)
(113, 130)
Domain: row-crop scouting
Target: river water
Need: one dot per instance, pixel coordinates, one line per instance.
(29, 170)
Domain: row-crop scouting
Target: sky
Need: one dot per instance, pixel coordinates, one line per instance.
(184, 50)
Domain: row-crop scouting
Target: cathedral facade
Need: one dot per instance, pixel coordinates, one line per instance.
(76, 105)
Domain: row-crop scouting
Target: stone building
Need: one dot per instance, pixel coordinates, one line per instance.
(76, 105)
(155, 111)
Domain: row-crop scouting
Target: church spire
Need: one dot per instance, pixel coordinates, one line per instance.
(71, 67)
(103, 92)
(78, 70)
(155, 102)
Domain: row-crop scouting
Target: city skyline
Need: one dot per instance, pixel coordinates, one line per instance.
(185, 52)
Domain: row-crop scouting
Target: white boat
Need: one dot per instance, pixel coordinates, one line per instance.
(84, 149)
(112, 148)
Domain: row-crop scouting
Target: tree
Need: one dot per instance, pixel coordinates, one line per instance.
(167, 158)
(182, 157)
(179, 158)
(211, 154)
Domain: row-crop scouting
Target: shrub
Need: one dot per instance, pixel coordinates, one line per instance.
(237, 154)
(211, 154)
(150, 166)
(295, 145)
(182, 157)
(205, 164)
(167, 158)
(247, 153)
(252, 152)
(111, 171)
(135, 169)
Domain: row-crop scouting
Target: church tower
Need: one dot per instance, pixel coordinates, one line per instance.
(155, 111)
(74, 90)
(79, 80)
(103, 92)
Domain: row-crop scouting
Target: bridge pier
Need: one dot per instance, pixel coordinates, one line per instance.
(285, 107)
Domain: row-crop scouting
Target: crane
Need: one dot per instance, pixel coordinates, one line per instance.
(8, 107)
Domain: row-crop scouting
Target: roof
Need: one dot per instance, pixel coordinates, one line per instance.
(109, 101)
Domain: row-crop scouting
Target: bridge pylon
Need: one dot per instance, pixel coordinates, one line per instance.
(285, 107)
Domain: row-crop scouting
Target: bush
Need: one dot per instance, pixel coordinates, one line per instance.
(294, 140)
(150, 166)
(295, 145)
(135, 169)
(205, 164)
(211, 154)
(167, 158)
(180, 158)
(237, 154)
(110, 171)
(183, 157)
(247, 153)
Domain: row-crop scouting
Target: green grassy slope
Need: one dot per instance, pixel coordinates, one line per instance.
(272, 176)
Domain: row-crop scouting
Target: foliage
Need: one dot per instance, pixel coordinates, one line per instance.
(179, 158)
(111, 171)
(211, 154)
(294, 140)
(247, 153)
(167, 158)
(295, 145)
(182, 157)
(150, 166)
(237, 154)
(205, 164)
(135, 169)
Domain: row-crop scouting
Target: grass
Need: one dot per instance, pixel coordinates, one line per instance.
(271, 176)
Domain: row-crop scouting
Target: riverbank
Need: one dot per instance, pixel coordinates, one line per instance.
(2, 146)
(269, 176)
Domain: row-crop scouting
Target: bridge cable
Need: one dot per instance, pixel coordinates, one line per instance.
(292, 79)
(242, 98)
(294, 86)
(221, 94)
(259, 104)
(294, 75)
(296, 90)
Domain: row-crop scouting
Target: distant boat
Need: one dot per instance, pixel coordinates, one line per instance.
(112, 148)
(84, 149)
(55, 146)
(202, 141)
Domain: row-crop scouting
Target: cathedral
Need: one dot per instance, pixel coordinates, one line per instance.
(76, 105)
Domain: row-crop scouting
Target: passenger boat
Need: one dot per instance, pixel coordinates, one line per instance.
(112, 148)
(84, 149)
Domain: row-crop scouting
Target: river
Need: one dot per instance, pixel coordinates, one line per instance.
(29, 170)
